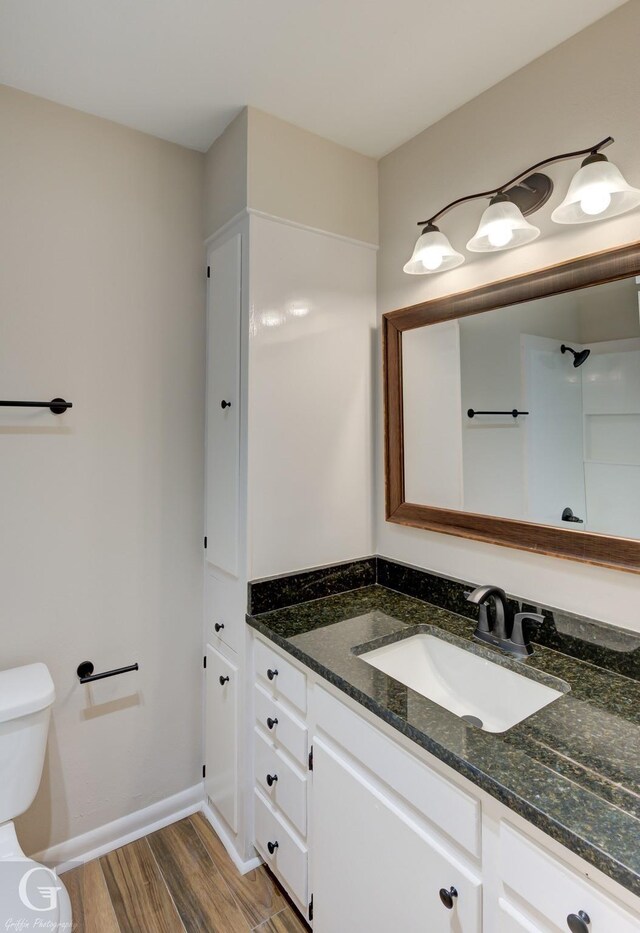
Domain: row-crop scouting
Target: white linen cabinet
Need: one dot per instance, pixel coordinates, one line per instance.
(290, 313)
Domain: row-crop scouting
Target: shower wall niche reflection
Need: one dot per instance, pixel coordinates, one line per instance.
(570, 366)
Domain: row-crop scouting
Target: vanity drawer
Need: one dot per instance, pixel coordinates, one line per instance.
(280, 678)
(289, 859)
(285, 731)
(289, 792)
(447, 806)
(554, 890)
(512, 921)
(223, 611)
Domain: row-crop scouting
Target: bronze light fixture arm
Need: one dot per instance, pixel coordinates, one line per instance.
(565, 156)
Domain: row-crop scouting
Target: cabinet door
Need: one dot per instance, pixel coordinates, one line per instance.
(223, 424)
(221, 751)
(373, 867)
(224, 610)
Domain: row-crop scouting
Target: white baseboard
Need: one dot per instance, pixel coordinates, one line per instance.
(127, 829)
(242, 866)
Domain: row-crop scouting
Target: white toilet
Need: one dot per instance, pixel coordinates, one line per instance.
(28, 891)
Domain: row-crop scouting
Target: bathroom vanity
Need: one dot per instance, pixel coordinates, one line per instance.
(379, 809)
(503, 796)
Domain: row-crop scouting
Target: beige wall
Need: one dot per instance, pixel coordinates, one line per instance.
(271, 166)
(225, 175)
(102, 298)
(578, 93)
(302, 177)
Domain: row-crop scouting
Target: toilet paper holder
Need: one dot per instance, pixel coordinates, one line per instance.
(86, 675)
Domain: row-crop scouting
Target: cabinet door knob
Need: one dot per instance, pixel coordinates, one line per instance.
(224, 404)
(219, 626)
(271, 722)
(579, 923)
(272, 673)
(272, 846)
(448, 897)
(223, 680)
(271, 779)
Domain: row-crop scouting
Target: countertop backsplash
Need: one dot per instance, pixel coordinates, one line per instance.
(588, 640)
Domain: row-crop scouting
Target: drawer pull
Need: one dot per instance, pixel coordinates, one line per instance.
(223, 680)
(272, 846)
(271, 674)
(579, 923)
(225, 404)
(271, 779)
(271, 722)
(448, 897)
(219, 626)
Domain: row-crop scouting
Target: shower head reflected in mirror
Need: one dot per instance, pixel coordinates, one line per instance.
(579, 356)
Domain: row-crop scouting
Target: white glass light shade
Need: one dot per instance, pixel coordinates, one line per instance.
(598, 190)
(502, 226)
(432, 253)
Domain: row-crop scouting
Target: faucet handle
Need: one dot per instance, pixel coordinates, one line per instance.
(517, 633)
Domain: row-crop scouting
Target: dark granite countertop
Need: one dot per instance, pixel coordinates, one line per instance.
(571, 769)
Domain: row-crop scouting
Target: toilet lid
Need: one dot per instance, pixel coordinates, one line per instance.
(29, 892)
(25, 690)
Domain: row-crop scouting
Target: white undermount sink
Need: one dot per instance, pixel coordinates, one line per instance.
(464, 683)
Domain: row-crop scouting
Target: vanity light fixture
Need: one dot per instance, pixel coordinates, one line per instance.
(432, 253)
(598, 190)
(502, 226)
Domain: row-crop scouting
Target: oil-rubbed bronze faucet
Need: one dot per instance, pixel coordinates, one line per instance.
(504, 633)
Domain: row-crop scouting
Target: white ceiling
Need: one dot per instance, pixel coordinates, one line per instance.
(369, 74)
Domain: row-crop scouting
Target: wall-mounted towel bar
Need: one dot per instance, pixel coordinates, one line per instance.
(86, 675)
(56, 406)
(471, 413)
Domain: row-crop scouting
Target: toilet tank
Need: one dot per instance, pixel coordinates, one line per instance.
(26, 695)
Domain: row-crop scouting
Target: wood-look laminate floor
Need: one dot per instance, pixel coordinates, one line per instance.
(177, 879)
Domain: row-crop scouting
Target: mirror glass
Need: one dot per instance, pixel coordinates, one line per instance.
(571, 457)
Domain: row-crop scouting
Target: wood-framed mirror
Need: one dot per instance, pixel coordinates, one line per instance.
(512, 411)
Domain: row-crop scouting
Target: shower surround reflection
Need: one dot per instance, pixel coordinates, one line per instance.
(572, 361)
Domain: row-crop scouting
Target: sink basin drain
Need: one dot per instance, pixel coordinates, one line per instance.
(473, 721)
